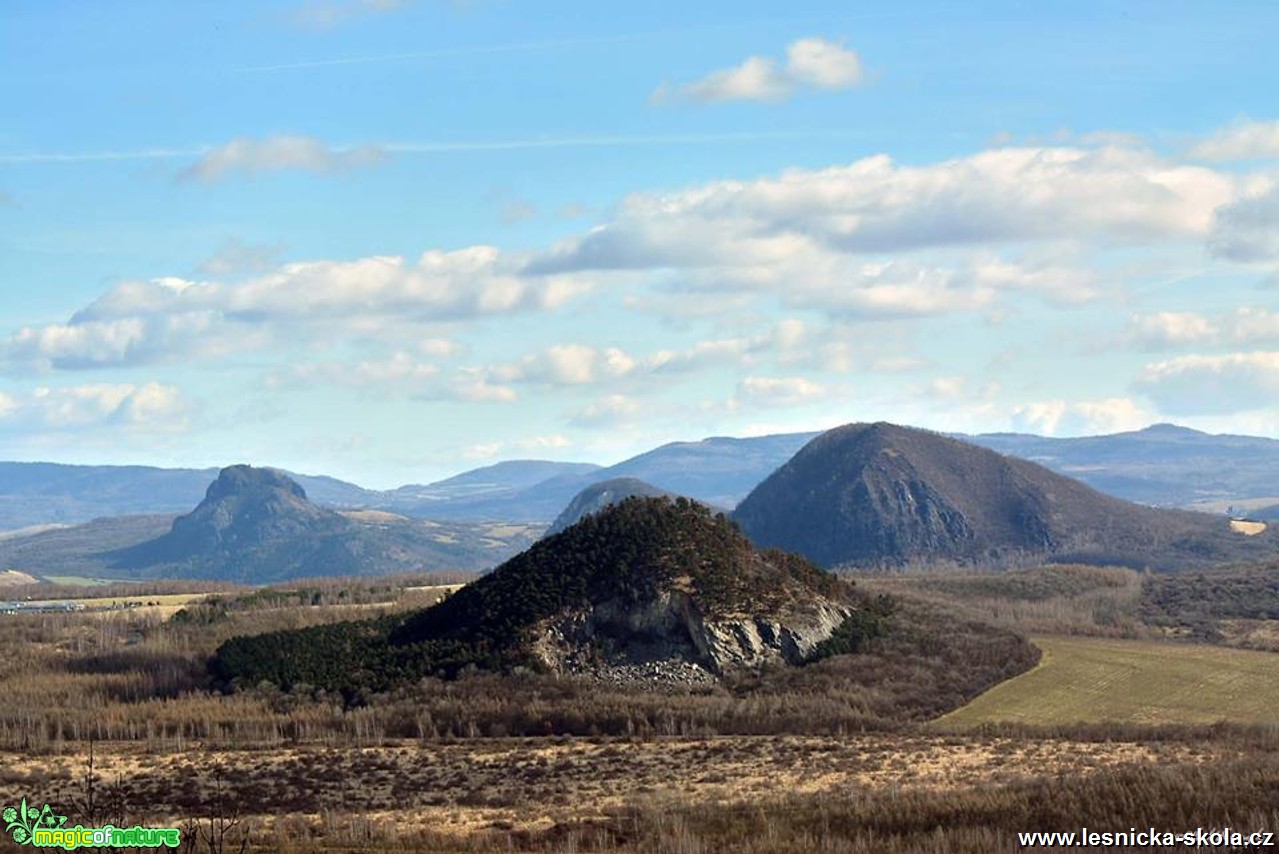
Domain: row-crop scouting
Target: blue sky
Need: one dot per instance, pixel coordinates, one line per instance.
(393, 240)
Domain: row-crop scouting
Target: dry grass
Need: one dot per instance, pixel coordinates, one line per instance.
(532, 784)
(1248, 529)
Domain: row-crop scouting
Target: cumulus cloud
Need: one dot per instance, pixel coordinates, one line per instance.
(162, 319)
(822, 239)
(1246, 327)
(1247, 140)
(1213, 385)
(777, 391)
(569, 365)
(1248, 228)
(246, 157)
(148, 407)
(1063, 418)
(810, 62)
(1108, 196)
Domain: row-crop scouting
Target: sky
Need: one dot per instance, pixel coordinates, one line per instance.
(390, 240)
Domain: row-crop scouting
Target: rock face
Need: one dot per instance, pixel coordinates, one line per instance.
(879, 494)
(648, 584)
(672, 628)
(597, 496)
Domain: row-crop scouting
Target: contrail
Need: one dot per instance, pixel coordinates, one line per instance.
(462, 146)
(517, 47)
(613, 141)
(90, 156)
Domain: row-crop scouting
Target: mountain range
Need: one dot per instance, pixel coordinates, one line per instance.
(1162, 465)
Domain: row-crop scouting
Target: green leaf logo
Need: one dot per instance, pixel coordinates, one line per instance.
(22, 820)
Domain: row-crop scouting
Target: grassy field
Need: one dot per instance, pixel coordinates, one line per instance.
(1095, 680)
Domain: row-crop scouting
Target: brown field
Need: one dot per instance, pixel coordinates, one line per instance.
(1248, 529)
(465, 791)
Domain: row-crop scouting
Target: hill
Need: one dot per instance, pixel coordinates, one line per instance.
(880, 494)
(45, 493)
(254, 526)
(596, 497)
(649, 582)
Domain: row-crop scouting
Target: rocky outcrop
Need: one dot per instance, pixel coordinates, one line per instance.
(671, 630)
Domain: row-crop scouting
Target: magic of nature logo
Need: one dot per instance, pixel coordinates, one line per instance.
(44, 828)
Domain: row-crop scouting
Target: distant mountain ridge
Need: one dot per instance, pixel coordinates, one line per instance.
(884, 495)
(1161, 465)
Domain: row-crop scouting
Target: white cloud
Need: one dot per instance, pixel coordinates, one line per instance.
(1246, 327)
(1108, 196)
(1213, 385)
(1168, 329)
(1248, 140)
(756, 79)
(248, 157)
(148, 407)
(1063, 418)
(777, 391)
(824, 64)
(584, 365)
(139, 322)
(809, 62)
(566, 365)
